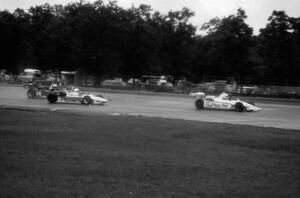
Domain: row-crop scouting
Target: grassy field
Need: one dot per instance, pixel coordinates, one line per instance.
(59, 154)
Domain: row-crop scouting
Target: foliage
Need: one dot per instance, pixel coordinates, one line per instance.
(227, 46)
(279, 46)
(106, 40)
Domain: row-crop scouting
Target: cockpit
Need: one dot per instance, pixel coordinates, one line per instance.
(225, 96)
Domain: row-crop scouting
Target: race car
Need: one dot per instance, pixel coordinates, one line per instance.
(38, 88)
(73, 95)
(222, 102)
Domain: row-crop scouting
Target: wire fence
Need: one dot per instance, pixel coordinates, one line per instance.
(209, 85)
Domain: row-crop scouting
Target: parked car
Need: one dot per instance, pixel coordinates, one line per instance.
(29, 74)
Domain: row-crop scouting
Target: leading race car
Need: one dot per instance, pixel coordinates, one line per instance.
(73, 95)
(222, 102)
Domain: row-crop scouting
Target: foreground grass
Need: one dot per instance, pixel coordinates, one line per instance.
(56, 154)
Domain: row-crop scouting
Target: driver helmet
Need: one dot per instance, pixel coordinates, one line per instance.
(225, 96)
(54, 86)
(76, 90)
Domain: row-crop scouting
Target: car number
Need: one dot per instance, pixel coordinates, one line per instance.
(217, 105)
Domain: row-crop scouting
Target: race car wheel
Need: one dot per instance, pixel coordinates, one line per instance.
(52, 98)
(239, 107)
(199, 104)
(87, 100)
(31, 93)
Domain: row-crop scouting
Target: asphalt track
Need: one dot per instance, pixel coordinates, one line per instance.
(278, 115)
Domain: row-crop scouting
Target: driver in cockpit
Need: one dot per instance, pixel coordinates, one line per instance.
(226, 96)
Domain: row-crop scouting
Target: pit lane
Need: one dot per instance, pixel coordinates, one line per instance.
(272, 115)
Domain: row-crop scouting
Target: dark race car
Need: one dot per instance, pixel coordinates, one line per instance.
(38, 88)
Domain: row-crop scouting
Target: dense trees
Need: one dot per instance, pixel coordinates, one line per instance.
(106, 40)
(227, 45)
(279, 47)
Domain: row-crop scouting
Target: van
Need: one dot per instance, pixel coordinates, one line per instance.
(29, 74)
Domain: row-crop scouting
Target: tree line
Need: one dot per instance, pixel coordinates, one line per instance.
(106, 40)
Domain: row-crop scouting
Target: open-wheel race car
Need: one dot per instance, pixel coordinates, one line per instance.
(222, 102)
(38, 88)
(73, 95)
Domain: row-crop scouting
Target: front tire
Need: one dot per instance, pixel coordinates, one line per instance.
(199, 104)
(52, 98)
(87, 100)
(239, 107)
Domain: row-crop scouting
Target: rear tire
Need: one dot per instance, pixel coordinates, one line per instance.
(199, 104)
(31, 93)
(87, 100)
(239, 107)
(52, 98)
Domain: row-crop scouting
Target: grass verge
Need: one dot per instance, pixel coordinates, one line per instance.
(58, 154)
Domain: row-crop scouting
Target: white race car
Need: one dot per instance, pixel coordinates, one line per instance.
(222, 102)
(73, 95)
